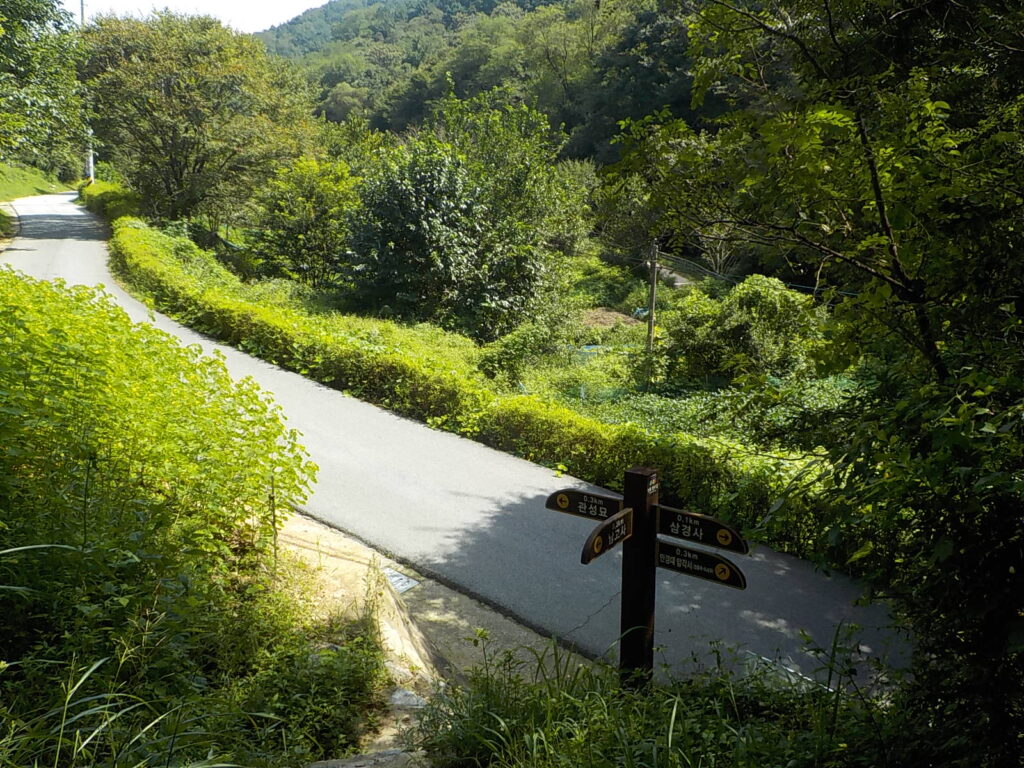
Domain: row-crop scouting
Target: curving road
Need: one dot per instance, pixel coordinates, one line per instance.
(474, 517)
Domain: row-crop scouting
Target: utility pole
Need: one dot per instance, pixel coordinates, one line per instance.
(90, 168)
(651, 296)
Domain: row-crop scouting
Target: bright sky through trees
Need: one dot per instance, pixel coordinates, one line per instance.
(243, 15)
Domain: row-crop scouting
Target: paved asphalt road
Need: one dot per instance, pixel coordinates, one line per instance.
(474, 517)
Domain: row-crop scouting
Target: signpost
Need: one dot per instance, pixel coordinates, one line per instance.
(612, 531)
(635, 522)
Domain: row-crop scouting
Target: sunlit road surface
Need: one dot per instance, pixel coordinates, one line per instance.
(474, 518)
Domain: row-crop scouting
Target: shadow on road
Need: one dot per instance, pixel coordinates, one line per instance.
(47, 226)
(787, 608)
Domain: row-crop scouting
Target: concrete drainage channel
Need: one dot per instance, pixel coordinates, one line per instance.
(428, 630)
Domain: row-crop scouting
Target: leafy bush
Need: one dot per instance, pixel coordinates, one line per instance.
(457, 224)
(429, 246)
(759, 327)
(302, 223)
(140, 494)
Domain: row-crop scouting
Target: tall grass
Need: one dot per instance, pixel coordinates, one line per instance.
(555, 713)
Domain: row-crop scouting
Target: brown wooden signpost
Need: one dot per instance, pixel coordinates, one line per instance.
(635, 522)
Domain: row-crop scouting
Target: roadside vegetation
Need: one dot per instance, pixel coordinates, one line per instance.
(462, 234)
(18, 182)
(551, 713)
(148, 617)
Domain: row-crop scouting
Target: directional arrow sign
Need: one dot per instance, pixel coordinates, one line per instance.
(574, 502)
(702, 529)
(612, 531)
(702, 565)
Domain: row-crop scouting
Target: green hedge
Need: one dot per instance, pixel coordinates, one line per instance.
(110, 200)
(431, 375)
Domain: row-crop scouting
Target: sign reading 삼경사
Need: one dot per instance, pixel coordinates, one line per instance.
(701, 529)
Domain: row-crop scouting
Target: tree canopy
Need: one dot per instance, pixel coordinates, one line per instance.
(194, 114)
(876, 147)
(40, 100)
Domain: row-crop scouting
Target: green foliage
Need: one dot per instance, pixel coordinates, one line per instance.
(193, 114)
(302, 223)
(760, 327)
(309, 30)
(140, 495)
(552, 713)
(584, 66)
(109, 199)
(18, 182)
(544, 338)
(356, 144)
(800, 415)
(878, 150)
(40, 101)
(327, 695)
(450, 230)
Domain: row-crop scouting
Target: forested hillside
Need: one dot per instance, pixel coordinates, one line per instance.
(585, 64)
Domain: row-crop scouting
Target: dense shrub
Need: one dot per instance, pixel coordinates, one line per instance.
(302, 223)
(759, 327)
(429, 246)
(459, 223)
(140, 493)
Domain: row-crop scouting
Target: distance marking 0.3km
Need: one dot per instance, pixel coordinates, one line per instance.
(573, 501)
(701, 565)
